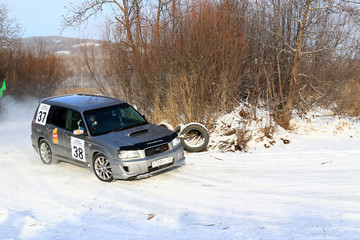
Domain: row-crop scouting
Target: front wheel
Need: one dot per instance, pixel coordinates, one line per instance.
(102, 168)
(45, 152)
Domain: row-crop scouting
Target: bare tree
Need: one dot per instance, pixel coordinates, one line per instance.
(302, 33)
(10, 32)
(10, 29)
(203, 56)
(125, 12)
(189, 55)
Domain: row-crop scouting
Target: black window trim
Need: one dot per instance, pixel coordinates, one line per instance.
(51, 114)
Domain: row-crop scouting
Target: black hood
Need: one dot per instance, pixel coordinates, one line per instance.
(138, 138)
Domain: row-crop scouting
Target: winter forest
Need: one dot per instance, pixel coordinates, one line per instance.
(199, 59)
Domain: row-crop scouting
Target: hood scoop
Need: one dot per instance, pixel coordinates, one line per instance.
(138, 132)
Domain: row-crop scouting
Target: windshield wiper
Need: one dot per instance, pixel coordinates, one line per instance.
(117, 130)
(128, 127)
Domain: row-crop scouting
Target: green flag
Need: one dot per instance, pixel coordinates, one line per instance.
(3, 88)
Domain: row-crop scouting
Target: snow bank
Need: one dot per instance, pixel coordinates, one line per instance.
(322, 121)
(247, 128)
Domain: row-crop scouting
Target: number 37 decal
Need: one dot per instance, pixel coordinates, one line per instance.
(42, 114)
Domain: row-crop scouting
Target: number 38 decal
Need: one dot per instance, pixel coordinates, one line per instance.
(77, 149)
(78, 152)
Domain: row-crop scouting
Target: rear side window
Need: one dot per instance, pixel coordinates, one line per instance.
(58, 116)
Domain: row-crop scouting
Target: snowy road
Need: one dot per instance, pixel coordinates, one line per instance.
(308, 189)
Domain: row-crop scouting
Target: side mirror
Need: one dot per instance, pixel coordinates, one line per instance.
(77, 132)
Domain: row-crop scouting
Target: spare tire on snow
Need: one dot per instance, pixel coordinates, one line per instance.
(179, 128)
(194, 137)
(166, 125)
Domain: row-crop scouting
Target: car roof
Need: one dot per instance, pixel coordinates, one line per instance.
(82, 102)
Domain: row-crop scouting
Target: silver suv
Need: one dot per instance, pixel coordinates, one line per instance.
(105, 135)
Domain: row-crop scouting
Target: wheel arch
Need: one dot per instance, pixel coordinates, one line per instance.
(96, 149)
(94, 154)
(39, 140)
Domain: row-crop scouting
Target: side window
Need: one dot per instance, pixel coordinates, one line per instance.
(58, 116)
(74, 120)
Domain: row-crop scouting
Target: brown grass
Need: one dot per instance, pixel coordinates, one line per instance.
(67, 91)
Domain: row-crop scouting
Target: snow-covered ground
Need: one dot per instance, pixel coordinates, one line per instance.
(308, 189)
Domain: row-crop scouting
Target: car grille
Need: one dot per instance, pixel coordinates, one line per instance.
(155, 150)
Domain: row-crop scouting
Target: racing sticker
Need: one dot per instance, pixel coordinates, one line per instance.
(78, 149)
(42, 114)
(55, 136)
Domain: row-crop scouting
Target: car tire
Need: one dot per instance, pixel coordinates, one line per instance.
(45, 152)
(102, 168)
(179, 128)
(194, 137)
(166, 125)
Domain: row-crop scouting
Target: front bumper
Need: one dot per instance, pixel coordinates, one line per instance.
(134, 168)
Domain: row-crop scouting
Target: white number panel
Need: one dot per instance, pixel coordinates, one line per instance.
(42, 114)
(78, 149)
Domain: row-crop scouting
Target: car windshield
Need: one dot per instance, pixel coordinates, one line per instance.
(111, 119)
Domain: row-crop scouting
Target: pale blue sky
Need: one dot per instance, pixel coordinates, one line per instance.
(43, 18)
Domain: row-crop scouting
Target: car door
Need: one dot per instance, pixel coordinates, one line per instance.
(77, 146)
(54, 131)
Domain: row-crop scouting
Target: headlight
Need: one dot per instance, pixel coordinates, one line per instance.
(129, 154)
(175, 142)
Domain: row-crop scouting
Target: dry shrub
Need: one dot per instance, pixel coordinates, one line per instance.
(232, 132)
(231, 138)
(31, 74)
(268, 131)
(184, 71)
(5, 56)
(205, 63)
(67, 91)
(243, 137)
(337, 86)
(348, 99)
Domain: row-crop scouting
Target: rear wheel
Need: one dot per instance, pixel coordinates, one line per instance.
(102, 168)
(45, 152)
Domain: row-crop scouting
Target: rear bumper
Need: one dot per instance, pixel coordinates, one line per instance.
(143, 167)
(34, 143)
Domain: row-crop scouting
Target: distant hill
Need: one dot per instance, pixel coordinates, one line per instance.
(60, 45)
